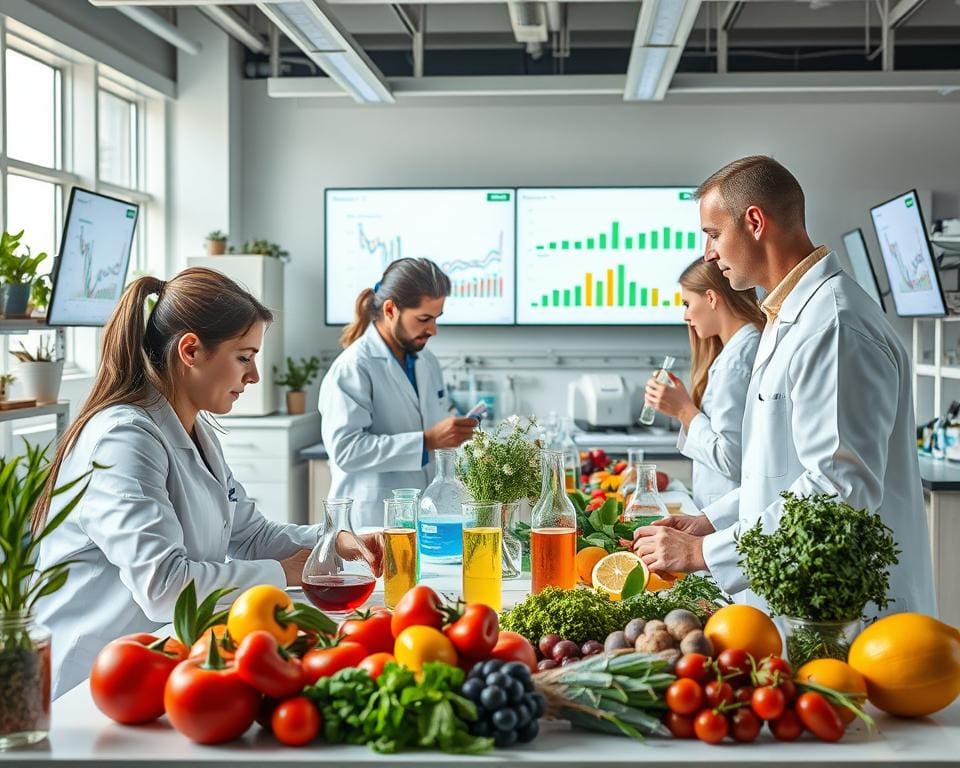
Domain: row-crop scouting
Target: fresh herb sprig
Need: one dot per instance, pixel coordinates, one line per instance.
(502, 465)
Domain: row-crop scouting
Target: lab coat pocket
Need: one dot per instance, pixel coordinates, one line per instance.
(772, 433)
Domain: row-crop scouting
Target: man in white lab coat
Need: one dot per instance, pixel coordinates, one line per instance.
(829, 402)
(383, 403)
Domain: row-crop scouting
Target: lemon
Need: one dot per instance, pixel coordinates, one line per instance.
(610, 572)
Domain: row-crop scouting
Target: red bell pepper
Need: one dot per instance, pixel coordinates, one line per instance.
(262, 663)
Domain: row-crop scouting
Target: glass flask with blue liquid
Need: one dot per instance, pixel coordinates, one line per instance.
(440, 522)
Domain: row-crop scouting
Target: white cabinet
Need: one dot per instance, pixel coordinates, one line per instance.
(262, 276)
(264, 454)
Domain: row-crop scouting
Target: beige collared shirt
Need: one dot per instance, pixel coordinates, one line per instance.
(774, 301)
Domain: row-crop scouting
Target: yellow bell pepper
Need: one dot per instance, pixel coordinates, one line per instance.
(269, 608)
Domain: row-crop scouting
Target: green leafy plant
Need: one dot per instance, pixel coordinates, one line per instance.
(16, 269)
(265, 248)
(298, 375)
(40, 293)
(45, 352)
(503, 465)
(217, 236)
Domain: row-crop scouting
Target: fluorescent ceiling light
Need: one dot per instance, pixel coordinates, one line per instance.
(300, 18)
(653, 61)
(662, 31)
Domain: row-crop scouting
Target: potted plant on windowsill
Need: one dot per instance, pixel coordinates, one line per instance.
(216, 243)
(18, 273)
(265, 248)
(40, 295)
(25, 644)
(298, 376)
(40, 372)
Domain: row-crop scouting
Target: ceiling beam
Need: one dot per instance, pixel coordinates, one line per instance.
(902, 11)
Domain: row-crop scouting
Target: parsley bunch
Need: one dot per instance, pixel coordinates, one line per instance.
(825, 562)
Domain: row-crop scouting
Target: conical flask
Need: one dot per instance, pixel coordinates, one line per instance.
(440, 521)
(341, 572)
(553, 535)
(645, 504)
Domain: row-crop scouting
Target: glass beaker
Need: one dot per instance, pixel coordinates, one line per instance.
(401, 567)
(406, 494)
(512, 545)
(440, 522)
(645, 503)
(553, 534)
(482, 553)
(341, 572)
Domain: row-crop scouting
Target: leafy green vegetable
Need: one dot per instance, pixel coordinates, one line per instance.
(825, 562)
(396, 712)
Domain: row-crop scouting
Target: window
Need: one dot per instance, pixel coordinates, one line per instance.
(118, 140)
(33, 110)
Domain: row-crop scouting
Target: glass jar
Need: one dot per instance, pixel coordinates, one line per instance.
(406, 494)
(512, 545)
(808, 640)
(24, 680)
(440, 522)
(553, 529)
(645, 503)
(483, 553)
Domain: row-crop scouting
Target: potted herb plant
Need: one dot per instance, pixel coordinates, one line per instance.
(818, 571)
(504, 465)
(216, 243)
(18, 273)
(40, 371)
(297, 377)
(265, 248)
(40, 294)
(25, 644)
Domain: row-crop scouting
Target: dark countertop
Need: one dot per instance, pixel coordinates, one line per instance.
(939, 474)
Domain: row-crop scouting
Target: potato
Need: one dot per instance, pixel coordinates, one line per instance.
(655, 625)
(615, 641)
(655, 642)
(633, 630)
(696, 642)
(671, 656)
(680, 623)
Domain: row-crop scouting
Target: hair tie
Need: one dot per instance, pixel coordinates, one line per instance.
(376, 287)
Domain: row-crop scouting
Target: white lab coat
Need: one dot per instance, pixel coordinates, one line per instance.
(373, 421)
(829, 410)
(150, 522)
(713, 438)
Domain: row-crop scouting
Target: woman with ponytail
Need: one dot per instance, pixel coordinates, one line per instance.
(724, 327)
(162, 508)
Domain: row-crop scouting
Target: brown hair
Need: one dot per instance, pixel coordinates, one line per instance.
(407, 282)
(138, 357)
(758, 180)
(700, 277)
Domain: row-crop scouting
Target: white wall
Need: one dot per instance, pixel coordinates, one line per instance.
(847, 156)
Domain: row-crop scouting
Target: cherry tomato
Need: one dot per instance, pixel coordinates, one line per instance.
(680, 726)
(711, 727)
(419, 607)
(295, 721)
(694, 666)
(372, 629)
(745, 726)
(819, 717)
(743, 694)
(324, 662)
(775, 664)
(513, 647)
(787, 727)
(718, 692)
(768, 702)
(685, 696)
(735, 664)
(789, 689)
(475, 633)
(374, 664)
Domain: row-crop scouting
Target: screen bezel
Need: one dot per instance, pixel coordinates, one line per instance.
(55, 275)
(926, 239)
(873, 272)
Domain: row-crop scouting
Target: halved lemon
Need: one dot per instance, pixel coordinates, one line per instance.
(610, 572)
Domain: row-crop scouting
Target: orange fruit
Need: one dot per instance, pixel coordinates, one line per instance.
(661, 581)
(746, 627)
(586, 559)
(610, 573)
(838, 675)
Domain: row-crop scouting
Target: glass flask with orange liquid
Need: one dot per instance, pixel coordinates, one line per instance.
(482, 553)
(553, 535)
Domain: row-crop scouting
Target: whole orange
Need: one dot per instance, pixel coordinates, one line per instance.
(746, 627)
(586, 559)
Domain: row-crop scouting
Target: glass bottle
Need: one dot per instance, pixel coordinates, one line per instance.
(24, 679)
(571, 454)
(401, 563)
(628, 481)
(645, 503)
(482, 553)
(553, 534)
(440, 522)
(341, 572)
(663, 376)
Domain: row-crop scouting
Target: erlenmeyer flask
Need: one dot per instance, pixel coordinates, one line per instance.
(440, 522)
(341, 572)
(645, 504)
(553, 536)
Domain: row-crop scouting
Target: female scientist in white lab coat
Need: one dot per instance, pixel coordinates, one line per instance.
(724, 334)
(383, 403)
(164, 508)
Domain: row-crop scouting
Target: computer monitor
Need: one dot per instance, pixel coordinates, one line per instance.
(863, 271)
(91, 267)
(467, 232)
(604, 255)
(908, 258)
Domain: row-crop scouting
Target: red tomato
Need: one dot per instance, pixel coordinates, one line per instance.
(718, 692)
(685, 696)
(619, 467)
(745, 726)
(680, 726)
(787, 727)
(209, 706)
(789, 689)
(225, 645)
(260, 664)
(475, 633)
(768, 702)
(128, 677)
(295, 721)
(662, 481)
(513, 647)
(375, 662)
(775, 664)
(419, 607)
(695, 666)
(819, 717)
(371, 629)
(744, 694)
(325, 662)
(711, 726)
(735, 664)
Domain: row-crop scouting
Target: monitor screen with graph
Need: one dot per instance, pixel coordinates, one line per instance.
(91, 266)
(860, 265)
(469, 233)
(605, 255)
(908, 257)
